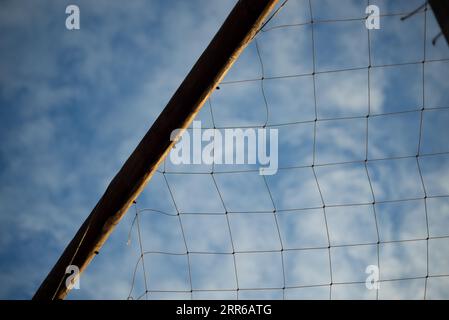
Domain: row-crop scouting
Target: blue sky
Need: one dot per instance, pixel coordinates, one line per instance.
(74, 104)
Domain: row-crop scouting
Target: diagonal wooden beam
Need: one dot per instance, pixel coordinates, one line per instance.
(237, 31)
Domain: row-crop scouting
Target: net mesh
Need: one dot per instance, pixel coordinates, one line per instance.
(362, 118)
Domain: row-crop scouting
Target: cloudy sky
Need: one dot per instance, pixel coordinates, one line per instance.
(74, 104)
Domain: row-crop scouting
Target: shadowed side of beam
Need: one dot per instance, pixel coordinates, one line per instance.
(236, 32)
(441, 10)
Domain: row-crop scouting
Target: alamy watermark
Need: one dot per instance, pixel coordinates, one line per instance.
(73, 280)
(254, 146)
(372, 281)
(72, 22)
(373, 19)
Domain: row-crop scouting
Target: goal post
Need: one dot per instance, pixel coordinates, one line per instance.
(441, 10)
(239, 28)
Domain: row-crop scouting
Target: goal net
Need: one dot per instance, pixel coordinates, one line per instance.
(355, 123)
